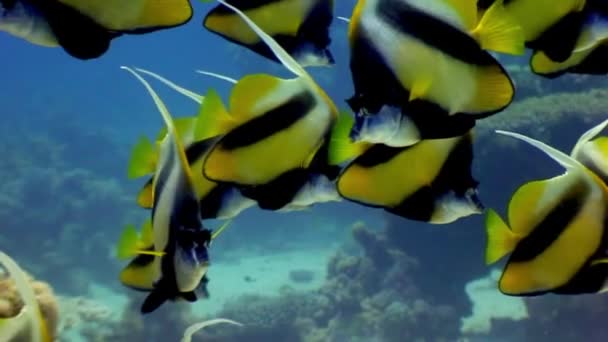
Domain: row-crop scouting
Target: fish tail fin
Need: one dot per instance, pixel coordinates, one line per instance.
(501, 240)
(587, 136)
(283, 56)
(213, 118)
(497, 31)
(143, 159)
(341, 148)
(187, 93)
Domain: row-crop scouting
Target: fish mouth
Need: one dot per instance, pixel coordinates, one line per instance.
(472, 196)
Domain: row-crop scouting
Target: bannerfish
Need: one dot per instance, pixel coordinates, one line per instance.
(144, 270)
(555, 233)
(85, 28)
(301, 27)
(589, 55)
(429, 181)
(272, 132)
(442, 78)
(176, 221)
(549, 26)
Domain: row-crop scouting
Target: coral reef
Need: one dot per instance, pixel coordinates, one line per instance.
(367, 296)
(11, 302)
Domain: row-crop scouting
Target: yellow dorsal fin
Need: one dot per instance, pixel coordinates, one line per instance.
(145, 198)
(341, 148)
(500, 239)
(220, 230)
(467, 11)
(143, 158)
(247, 93)
(213, 118)
(172, 130)
(498, 31)
(587, 137)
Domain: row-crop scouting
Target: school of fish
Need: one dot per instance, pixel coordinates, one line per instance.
(423, 72)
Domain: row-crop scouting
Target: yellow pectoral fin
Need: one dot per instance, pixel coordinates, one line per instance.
(501, 240)
(498, 31)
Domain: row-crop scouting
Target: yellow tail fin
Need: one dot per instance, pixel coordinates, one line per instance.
(497, 31)
(213, 118)
(341, 148)
(501, 241)
(143, 158)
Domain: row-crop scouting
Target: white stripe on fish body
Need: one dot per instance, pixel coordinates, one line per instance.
(168, 159)
(411, 60)
(233, 203)
(25, 22)
(319, 189)
(188, 272)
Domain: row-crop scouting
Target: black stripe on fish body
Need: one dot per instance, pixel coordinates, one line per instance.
(79, 35)
(320, 162)
(552, 225)
(433, 122)
(378, 154)
(594, 64)
(433, 32)
(590, 279)
(212, 203)
(454, 176)
(374, 83)
(558, 41)
(274, 120)
(197, 150)
(280, 191)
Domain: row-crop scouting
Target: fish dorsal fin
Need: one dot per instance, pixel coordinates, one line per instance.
(467, 11)
(498, 31)
(213, 118)
(143, 158)
(249, 90)
(185, 128)
(220, 230)
(188, 93)
(341, 148)
(218, 76)
(131, 243)
(289, 62)
(586, 137)
(560, 157)
(172, 130)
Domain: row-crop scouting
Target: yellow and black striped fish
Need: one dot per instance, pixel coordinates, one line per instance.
(556, 232)
(85, 28)
(301, 27)
(440, 77)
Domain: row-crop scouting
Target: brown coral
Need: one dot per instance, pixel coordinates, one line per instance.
(11, 303)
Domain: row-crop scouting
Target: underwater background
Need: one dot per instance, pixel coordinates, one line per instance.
(337, 272)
